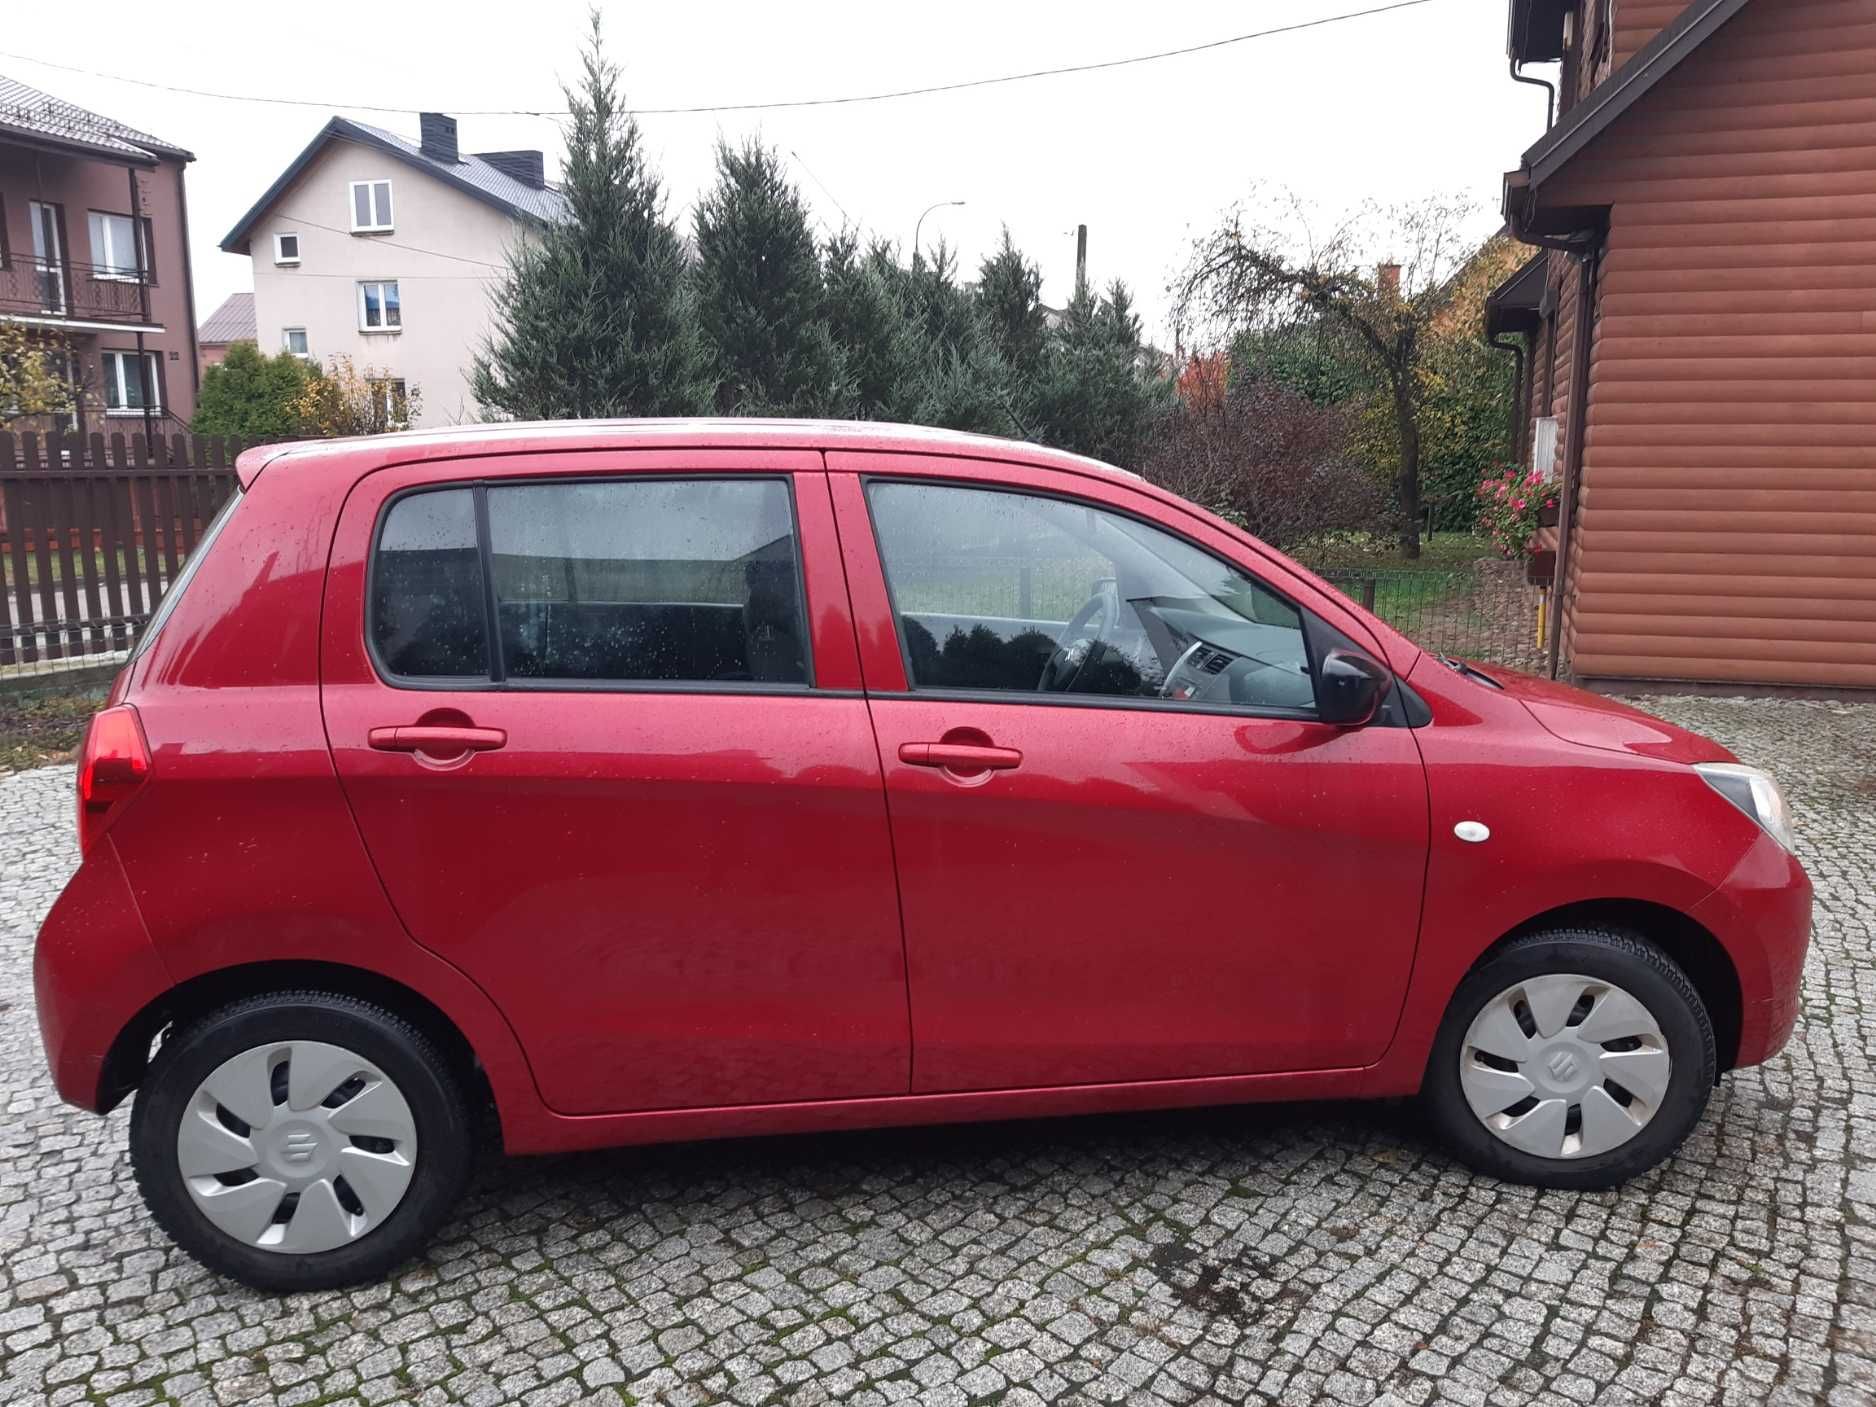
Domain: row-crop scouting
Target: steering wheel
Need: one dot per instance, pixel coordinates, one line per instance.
(1080, 640)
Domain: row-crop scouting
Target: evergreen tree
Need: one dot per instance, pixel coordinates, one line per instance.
(760, 294)
(593, 316)
(1009, 293)
(962, 382)
(251, 396)
(1097, 395)
(868, 317)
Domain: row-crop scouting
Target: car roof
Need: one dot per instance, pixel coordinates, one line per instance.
(703, 433)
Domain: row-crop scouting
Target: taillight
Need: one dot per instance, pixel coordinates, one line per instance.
(112, 765)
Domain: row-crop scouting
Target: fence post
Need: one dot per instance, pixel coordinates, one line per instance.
(10, 539)
(1367, 594)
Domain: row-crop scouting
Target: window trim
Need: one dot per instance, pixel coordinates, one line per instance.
(112, 271)
(286, 342)
(371, 203)
(384, 329)
(497, 680)
(281, 259)
(155, 359)
(1066, 700)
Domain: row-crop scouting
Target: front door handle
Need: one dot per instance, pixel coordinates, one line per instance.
(438, 740)
(960, 757)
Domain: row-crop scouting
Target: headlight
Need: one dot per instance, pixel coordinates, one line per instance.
(1753, 792)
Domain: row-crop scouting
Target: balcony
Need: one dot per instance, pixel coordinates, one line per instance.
(70, 293)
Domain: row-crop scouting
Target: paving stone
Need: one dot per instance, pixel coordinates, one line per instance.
(1295, 1254)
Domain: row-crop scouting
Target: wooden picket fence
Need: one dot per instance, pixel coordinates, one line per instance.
(93, 528)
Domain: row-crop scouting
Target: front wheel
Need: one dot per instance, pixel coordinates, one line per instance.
(1572, 1058)
(300, 1141)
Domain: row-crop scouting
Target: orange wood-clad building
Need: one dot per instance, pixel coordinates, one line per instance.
(1704, 204)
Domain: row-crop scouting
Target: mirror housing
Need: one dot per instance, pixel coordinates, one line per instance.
(1350, 688)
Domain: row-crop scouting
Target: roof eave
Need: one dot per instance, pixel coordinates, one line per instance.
(1614, 96)
(237, 240)
(72, 146)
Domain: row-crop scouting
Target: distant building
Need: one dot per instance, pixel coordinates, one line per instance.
(384, 250)
(232, 322)
(94, 251)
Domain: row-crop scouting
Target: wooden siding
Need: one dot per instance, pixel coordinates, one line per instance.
(1727, 526)
(1638, 21)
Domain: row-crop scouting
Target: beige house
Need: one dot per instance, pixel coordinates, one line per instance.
(384, 250)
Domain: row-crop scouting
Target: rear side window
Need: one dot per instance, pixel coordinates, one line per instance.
(428, 617)
(167, 606)
(589, 583)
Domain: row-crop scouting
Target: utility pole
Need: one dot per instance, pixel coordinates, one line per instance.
(1081, 258)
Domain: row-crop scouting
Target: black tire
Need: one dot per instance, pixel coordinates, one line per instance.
(1642, 970)
(445, 1134)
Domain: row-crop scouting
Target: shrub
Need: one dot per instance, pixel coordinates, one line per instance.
(1509, 508)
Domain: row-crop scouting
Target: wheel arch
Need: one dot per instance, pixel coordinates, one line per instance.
(129, 1054)
(1692, 947)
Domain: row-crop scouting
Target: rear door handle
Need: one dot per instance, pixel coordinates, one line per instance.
(960, 757)
(440, 740)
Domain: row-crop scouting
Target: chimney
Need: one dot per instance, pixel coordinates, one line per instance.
(438, 132)
(527, 167)
(1387, 280)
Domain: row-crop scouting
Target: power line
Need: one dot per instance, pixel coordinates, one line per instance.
(393, 244)
(708, 108)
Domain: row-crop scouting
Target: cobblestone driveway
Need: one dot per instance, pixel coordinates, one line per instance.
(1295, 1254)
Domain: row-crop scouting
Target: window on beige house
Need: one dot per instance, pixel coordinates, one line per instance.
(371, 207)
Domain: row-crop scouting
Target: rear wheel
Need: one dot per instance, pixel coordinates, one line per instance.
(301, 1140)
(1574, 1058)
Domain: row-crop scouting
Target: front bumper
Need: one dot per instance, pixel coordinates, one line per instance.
(1761, 913)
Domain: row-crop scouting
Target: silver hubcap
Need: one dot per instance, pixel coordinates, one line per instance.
(297, 1147)
(1564, 1066)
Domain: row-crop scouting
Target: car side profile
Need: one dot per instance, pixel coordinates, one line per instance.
(622, 783)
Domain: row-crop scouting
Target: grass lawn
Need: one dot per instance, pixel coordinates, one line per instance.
(45, 727)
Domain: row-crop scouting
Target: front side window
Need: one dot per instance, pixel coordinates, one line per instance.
(371, 206)
(127, 391)
(379, 307)
(428, 613)
(115, 252)
(652, 581)
(1037, 596)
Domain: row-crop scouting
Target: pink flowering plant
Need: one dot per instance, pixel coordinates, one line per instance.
(1509, 504)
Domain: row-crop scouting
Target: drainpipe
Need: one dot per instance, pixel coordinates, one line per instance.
(144, 378)
(1550, 93)
(1514, 427)
(1582, 246)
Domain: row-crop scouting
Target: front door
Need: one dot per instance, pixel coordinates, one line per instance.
(605, 766)
(1127, 849)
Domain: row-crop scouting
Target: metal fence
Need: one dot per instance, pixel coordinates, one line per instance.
(92, 531)
(1482, 610)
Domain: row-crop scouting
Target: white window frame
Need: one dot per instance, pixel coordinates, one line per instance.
(106, 264)
(280, 254)
(112, 362)
(387, 389)
(286, 342)
(382, 221)
(380, 284)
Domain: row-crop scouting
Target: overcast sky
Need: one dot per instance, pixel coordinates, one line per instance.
(1391, 106)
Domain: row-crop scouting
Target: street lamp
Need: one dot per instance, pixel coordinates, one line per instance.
(939, 205)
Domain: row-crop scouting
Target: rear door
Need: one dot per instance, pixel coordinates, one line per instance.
(642, 809)
(1127, 848)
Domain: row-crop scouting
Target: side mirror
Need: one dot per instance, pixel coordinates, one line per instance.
(1349, 688)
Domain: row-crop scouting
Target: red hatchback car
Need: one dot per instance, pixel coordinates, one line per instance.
(664, 781)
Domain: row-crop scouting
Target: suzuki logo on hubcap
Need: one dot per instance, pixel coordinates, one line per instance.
(299, 1147)
(1562, 1065)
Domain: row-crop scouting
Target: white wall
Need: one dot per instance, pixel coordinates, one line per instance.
(445, 300)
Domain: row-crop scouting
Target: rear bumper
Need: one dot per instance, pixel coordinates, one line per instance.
(94, 970)
(1761, 913)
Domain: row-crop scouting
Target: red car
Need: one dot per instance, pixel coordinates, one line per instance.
(661, 781)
